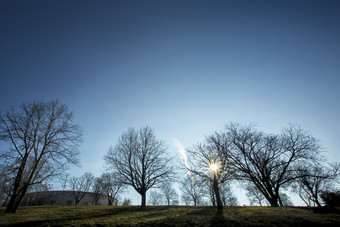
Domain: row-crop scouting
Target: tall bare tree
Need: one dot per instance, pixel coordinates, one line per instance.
(208, 162)
(141, 160)
(42, 141)
(80, 186)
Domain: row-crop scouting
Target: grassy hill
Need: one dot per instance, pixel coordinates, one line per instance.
(166, 216)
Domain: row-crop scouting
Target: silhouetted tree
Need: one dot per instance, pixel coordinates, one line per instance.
(97, 189)
(175, 200)
(112, 186)
(208, 161)
(42, 141)
(168, 192)
(314, 179)
(192, 189)
(80, 186)
(155, 197)
(141, 160)
(268, 161)
(186, 199)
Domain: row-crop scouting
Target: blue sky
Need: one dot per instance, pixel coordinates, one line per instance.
(184, 68)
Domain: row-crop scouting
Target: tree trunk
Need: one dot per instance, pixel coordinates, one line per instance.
(217, 193)
(19, 200)
(143, 205)
(20, 192)
(16, 200)
(212, 197)
(280, 201)
(16, 190)
(317, 202)
(110, 200)
(10, 206)
(273, 202)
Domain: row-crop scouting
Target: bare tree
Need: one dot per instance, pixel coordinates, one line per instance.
(112, 185)
(208, 162)
(314, 179)
(97, 189)
(80, 186)
(175, 200)
(193, 189)
(141, 160)
(155, 197)
(268, 161)
(42, 141)
(186, 199)
(168, 192)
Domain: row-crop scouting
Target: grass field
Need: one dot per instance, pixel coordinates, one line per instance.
(166, 216)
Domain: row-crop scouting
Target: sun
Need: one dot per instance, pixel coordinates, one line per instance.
(214, 167)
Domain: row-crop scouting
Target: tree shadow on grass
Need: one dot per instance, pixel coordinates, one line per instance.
(219, 220)
(64, 220)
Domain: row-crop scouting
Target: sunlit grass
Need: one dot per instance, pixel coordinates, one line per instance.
(166, 216)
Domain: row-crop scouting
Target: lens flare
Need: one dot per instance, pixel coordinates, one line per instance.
(183, 153)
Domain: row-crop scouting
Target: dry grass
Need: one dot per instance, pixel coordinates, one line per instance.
(166, 216)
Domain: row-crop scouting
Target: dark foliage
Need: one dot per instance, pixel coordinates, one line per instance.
(332, 199)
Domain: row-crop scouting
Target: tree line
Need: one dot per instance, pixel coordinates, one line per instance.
(42, 141)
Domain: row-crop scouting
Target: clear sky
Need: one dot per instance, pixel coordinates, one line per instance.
(184, 68)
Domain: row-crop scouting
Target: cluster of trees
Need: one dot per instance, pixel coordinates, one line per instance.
(164, 195)
(268, 164)
(42, 142)
(107, 184)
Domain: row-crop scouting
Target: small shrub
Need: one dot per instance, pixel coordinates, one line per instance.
(332, 199)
